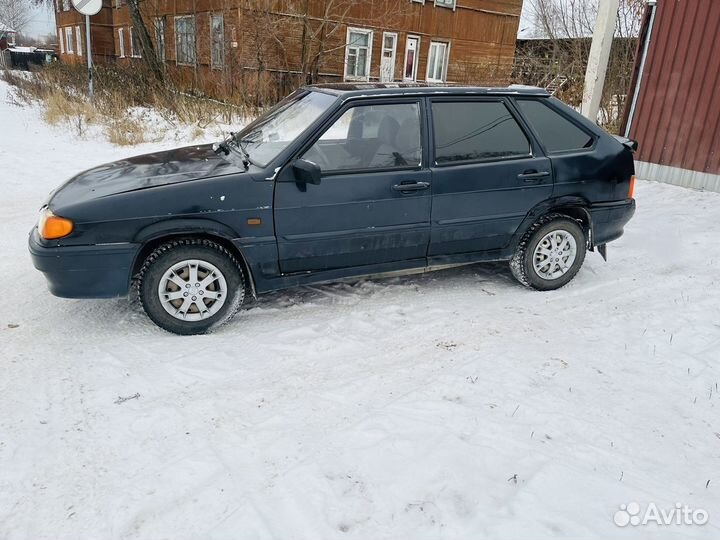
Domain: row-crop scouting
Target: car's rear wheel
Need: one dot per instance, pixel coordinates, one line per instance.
(191, 286)
(550, 253)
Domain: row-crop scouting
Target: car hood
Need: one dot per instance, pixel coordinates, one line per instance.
(142, 172)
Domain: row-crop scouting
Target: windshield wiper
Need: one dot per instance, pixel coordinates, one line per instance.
(225, 148)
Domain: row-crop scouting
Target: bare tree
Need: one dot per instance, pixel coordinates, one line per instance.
(15, 14)
(148, 49)
(565, 28)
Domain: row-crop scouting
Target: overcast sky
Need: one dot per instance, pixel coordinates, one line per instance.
(42, 23)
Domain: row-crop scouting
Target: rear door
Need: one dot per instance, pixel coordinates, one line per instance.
(372, 205)
(487, 173)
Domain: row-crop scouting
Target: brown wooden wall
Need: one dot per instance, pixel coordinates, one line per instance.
(266, 35)
(677, 116)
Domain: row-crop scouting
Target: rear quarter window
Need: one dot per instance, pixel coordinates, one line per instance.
(556, 133)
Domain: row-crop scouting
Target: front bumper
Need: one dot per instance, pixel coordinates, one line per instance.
(99, 271)
(609, 219)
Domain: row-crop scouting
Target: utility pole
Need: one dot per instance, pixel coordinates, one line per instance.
(599, 56)
(91, 90)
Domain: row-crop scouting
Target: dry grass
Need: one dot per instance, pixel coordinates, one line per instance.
(62, 90)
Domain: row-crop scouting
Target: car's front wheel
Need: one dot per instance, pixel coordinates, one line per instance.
(190, 286)
(550, 253)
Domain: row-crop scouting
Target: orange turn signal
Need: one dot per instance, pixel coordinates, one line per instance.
(52, 227)
(631, 189)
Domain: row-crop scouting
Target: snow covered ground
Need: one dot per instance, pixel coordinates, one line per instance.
(450, 405)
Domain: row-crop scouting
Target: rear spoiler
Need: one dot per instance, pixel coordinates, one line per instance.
(627, 143)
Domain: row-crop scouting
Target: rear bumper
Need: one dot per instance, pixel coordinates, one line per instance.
(99, 271)
(609, 219)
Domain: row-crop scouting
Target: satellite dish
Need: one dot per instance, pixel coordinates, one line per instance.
(87, 7)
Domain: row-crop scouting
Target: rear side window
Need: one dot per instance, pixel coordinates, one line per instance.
(476, 130)
(557, 133)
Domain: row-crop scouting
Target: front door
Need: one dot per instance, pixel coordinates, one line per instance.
(487, 175)
(387, 59)
(412, 46)
(372, 205)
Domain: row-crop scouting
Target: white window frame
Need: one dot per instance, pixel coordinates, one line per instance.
(69, 40)
(78, 40)
(418, 2)
(160, 37)
(416, 63)
(61, 39)
(177, 61)
(213, 64)
(347, 53)
(443, 75)
(383, 49)
(133, 52)
(121, 41)
(441, 3)
(66, 5)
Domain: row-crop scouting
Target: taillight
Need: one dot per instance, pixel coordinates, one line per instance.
(631, 189)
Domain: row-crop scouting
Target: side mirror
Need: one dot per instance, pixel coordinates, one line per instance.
(307, 172)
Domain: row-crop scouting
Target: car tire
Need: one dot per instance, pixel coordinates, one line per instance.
(191, 286)
(550, 253)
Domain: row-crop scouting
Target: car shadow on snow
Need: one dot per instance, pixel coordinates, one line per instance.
(125, 316)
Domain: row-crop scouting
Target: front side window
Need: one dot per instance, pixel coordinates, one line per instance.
(437, 62)
(476, 130)
(217, 31)
(557, 133)
(160, 37)
(185, 40)
(357, 54)
(270, 134)
(371, 137)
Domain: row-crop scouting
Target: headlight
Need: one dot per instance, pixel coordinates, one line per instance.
(52, 227)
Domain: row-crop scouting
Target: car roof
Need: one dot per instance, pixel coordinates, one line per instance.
(347, 90)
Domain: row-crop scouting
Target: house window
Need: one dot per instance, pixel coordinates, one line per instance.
(78, 40)
(185, 39)
(358, 54)
(66, 5)
(445, 3)
(119, 3)
(217, 31)
(61, 41)
(68, 40)
(160, 37)
(437, 62)
(135, 45)
(121, 41)
(412, 46)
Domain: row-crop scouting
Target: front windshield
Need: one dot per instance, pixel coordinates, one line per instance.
(270, 134)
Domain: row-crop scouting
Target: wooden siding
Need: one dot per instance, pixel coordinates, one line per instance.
(480, 34)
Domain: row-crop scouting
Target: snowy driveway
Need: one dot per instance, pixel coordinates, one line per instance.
(451, 405)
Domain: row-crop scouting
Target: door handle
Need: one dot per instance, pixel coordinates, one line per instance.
(533, 177)
(412, 186)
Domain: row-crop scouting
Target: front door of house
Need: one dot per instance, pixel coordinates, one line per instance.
(412, 45)
(387, 60)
